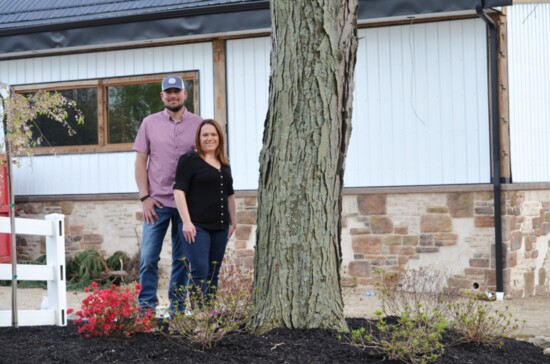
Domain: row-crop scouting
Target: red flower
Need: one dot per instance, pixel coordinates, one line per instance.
(112, 312)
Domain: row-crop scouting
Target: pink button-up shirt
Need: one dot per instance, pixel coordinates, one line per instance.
(165, 140)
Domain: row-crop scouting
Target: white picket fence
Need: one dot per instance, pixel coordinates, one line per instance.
(52, 227)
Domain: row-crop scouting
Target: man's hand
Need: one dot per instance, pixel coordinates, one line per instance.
(149, 214)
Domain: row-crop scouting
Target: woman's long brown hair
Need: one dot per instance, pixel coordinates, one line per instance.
(220, 150)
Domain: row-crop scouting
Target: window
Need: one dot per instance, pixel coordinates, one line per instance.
(53, 134)
(113, 110)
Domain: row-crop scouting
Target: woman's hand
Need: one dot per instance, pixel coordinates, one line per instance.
(189, 232)
(232, 228)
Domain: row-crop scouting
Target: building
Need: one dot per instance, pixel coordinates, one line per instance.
(435, 84)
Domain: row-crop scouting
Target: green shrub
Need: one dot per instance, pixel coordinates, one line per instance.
(417, 308)
(86, 267)
(89, 266)
(480, 323)
(118, 261)
(424, 288)
(412, 337)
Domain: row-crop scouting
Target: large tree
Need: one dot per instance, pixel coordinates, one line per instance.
(307, 130)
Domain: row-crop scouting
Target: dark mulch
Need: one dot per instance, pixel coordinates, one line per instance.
(64, 345)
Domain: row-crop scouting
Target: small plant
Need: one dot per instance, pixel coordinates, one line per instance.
(423, 288)
(212, 316)
(89, 265)
(417, 308)
(118, 261)
(112, 312)
(412, 337)
(412, 318)
(478, 322)
(117, 269)
(86, 267)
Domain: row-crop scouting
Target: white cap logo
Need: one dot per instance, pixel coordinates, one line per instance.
(172, 82)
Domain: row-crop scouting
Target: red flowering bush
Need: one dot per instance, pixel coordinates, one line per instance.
(112, 312)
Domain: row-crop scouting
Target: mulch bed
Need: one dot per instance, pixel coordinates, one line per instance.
(52, 344)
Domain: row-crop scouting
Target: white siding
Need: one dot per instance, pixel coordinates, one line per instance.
(247, 103)
(420, 106)
(529, 77)
(420, 109)
(101, 172)
(420, 112)
(77, 174)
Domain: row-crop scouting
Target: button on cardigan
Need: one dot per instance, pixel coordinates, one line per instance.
(206, 190)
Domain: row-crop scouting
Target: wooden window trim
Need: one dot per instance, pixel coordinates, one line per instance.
(102, 123)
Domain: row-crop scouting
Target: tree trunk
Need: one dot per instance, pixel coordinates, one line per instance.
(307, 130)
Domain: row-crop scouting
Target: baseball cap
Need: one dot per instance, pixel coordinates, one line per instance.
(172, 82)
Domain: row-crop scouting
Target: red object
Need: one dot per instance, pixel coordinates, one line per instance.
(5, 239)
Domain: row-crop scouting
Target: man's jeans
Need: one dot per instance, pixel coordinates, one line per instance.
(204, 258)
(153, 236)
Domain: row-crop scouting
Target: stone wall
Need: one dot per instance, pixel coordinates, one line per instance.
(382, 232)
(452, 232)
(106, 226)
(526, 229)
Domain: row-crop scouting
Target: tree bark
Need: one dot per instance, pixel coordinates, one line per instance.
(306, 134)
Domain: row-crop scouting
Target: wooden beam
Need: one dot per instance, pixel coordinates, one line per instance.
(220, 84)
(102, 129)
(503, 100)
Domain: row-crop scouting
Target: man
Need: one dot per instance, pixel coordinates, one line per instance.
(161, 139)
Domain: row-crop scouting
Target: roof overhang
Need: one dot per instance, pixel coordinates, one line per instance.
(380, 9)
(212, 21)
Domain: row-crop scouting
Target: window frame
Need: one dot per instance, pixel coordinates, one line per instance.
(102, 145)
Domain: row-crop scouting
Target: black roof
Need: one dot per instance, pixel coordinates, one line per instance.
(45, 25)
(32, 13)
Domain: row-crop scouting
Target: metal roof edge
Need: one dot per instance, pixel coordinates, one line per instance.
(196, 23)
(206, 10)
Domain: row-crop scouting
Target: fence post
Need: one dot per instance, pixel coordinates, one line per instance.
(55, 253)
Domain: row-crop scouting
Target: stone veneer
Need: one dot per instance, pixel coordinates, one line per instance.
(380, 232)
(526, 229)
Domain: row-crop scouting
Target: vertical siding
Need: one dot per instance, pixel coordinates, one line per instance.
(101, 172)
(529, 77)
(420, 110)
(420, 107)
(420, 113)
(247, 103)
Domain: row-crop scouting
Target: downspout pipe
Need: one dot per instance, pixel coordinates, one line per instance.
(492, 64)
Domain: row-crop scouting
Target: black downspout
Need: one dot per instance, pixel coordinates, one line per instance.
(492, 63)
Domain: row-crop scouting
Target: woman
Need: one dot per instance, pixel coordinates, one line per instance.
(206, 203)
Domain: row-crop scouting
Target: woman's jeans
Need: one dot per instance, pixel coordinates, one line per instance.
(152, 239)
(204, 260)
